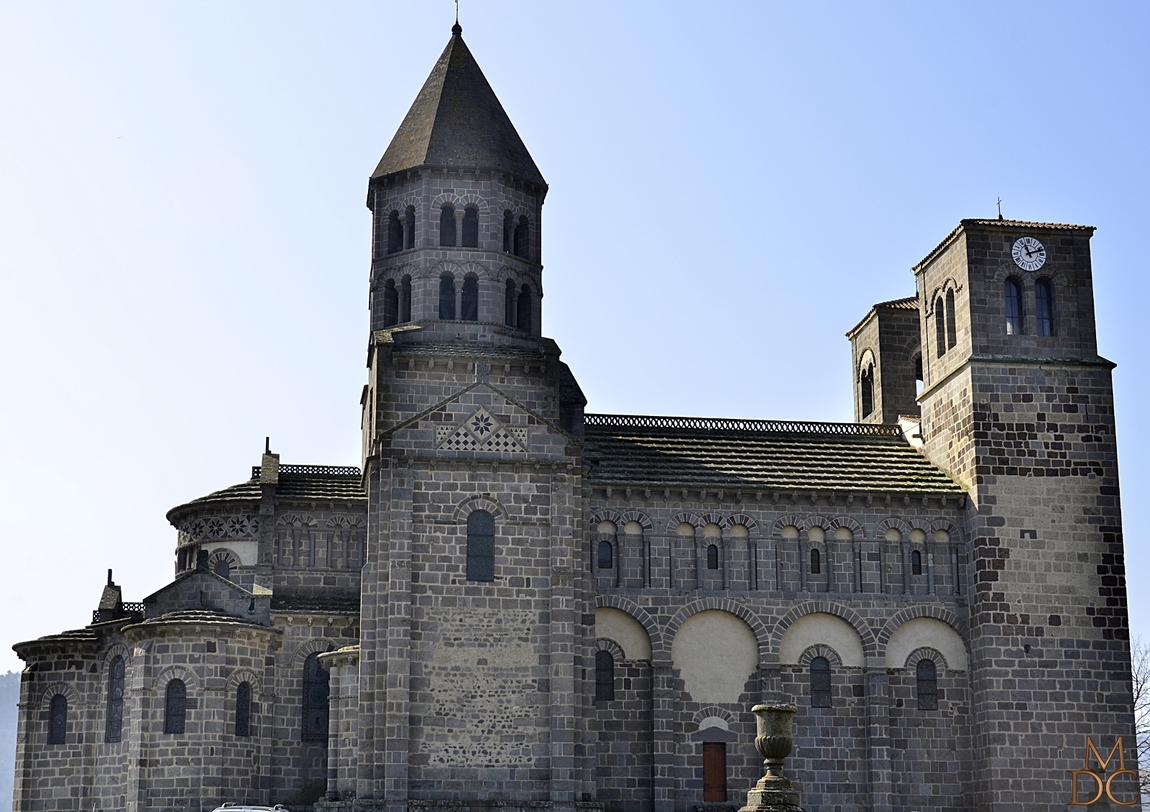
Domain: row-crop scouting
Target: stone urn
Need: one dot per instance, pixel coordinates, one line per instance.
(774, 741)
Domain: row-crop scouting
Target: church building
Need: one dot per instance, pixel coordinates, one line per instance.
(516, 602)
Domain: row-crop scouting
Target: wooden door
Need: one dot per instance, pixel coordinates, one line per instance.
(714, 771)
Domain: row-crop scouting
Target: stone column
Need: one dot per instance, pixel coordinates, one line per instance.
(662, 733)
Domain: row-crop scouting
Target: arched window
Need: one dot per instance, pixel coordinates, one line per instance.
(816, 561)
(939, 328)
(918, 377)
(409, 227)
(470, 300)
(405, 300)
(447, 226)
(509, 304)
(866, 390)
(604, 676)
(820, 682)
(915, 562)
(394, 233)
(523, 314)
(926, 685)
(951, 325)
(315, 696)
(480, 546)
(446, 297)
(58, 719)
(243, 710)
(1044, 307)
(712, 557)
(390, 303)
(114, 721)
(470, 227)
(508, 231)
(1013, 308)
(224, 567)
(606, 556)
(521, 233)
(175, 707)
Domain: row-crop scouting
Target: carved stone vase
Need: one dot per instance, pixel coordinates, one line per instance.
(774, 741)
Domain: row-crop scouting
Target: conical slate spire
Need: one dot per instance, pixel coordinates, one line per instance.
(457, 121)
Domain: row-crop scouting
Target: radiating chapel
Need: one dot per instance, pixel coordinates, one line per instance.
(518, 603)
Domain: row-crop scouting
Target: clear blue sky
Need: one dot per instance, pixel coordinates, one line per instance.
(184, 242)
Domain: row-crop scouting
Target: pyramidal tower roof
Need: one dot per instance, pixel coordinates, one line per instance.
(457, 121)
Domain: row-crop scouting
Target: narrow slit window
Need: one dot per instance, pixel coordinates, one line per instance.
(470, 228)
(523, 309)
(866, 391)
(820, 674)
(480, 546)
(243, 710)
(58, 719)
(714, 772)
(712, 557)
(918, 376)
(606, 555)
(508, 231)
(816, 562)
(390, 303)
(405, 300)
(470, 299)
(926, 685)
(175, 707)
(394, 233)
(447, 226)
(1044, 307)
(521, 237)
(939, 328)
(409, 227)
(316, 690)
(604, 676)
(951, 325)
(114, 723)
(509, 304)
(446, 298)
(915, 562)
(1013, 307)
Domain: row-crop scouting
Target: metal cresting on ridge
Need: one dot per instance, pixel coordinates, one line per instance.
(1103, 785)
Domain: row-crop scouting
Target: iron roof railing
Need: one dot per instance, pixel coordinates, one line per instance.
(311, 470)
(634, 421)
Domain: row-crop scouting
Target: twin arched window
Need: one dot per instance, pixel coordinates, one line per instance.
(480, 546)
(400, 230)
(1016, 311)
(114, 721)
(945, 327)
(58, 719)
(604, 676)
(447, 235)
(523, 309)
(175, 707)
(516, 235)
(396, 302)
(820, 676)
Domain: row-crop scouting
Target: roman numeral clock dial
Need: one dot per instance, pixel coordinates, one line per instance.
(1029, 254)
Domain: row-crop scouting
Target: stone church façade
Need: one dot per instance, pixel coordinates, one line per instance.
(515, 602)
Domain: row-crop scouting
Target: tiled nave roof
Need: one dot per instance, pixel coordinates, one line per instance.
(676, 451)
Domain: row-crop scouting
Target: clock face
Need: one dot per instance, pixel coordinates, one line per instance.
(1029, 254)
